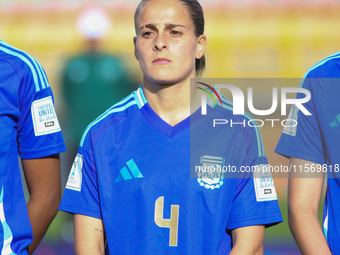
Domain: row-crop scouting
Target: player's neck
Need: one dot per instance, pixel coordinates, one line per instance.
(171, 102)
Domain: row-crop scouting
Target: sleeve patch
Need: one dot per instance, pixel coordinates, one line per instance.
(264, 184)
(75, 177)
(44, 117)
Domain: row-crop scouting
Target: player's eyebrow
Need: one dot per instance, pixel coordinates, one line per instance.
(150, 26)
(170, 25)
(153, 26)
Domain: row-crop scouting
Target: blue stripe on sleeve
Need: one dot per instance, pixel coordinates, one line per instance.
(113, 109)
(334, 56)
(36, 69)
(43, 73)
(260, 147)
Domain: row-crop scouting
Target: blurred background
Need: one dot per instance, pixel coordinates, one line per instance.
(246, 39)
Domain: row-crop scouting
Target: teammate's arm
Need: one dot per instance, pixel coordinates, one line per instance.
(248, 240)
(89, 235)
(44, 185)
(303, 208)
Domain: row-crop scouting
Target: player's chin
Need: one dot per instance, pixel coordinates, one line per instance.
(163, 80)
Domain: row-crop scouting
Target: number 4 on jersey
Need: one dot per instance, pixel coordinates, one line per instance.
(171, 223)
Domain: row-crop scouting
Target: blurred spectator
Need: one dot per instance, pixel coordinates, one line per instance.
(92, 81)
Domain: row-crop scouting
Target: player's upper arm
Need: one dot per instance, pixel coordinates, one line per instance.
(43, 178)
(304, 193)
(248, 240)
(89, 235)
(305, 187)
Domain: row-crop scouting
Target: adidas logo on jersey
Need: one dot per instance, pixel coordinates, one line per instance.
(336, 122)
(125, 174)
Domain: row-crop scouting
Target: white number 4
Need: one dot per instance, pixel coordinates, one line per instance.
(171, 223)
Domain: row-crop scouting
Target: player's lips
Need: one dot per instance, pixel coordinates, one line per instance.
(161, 61)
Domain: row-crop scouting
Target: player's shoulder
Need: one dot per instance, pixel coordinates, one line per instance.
(244, 124)
(326, 68)
(23, 64)
(226, 108)
(16, 57)
(114, 117)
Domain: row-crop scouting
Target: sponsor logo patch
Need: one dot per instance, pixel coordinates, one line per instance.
(44, 118)
(75, 177)
(264, 184)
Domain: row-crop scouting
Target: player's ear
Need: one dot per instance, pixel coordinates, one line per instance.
(136, 51)
(201, 43)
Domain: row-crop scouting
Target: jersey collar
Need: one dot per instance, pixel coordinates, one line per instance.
(156, 121)
(139, 97)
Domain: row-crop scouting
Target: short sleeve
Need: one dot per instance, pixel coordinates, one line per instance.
(254, 207)
(303, 139)
(38, 130)
(81, 194)
(255, 200)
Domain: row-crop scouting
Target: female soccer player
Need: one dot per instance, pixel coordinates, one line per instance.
(131, 184)
(29, 129)
(313, 149)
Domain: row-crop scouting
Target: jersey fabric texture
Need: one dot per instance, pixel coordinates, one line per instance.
(29, 129)
(316, 137)
(137, 173)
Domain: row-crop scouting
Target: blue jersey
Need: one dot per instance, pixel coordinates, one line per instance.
(29, 129)
(315, 137)
(139, 175)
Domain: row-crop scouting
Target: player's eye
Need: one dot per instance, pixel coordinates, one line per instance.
(175, 33)
(147, 34)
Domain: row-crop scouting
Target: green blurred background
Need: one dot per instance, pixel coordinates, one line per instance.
(246, 39)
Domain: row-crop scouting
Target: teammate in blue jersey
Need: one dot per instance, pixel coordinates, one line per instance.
(138, 180)
(29, 129)
(313, 148)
